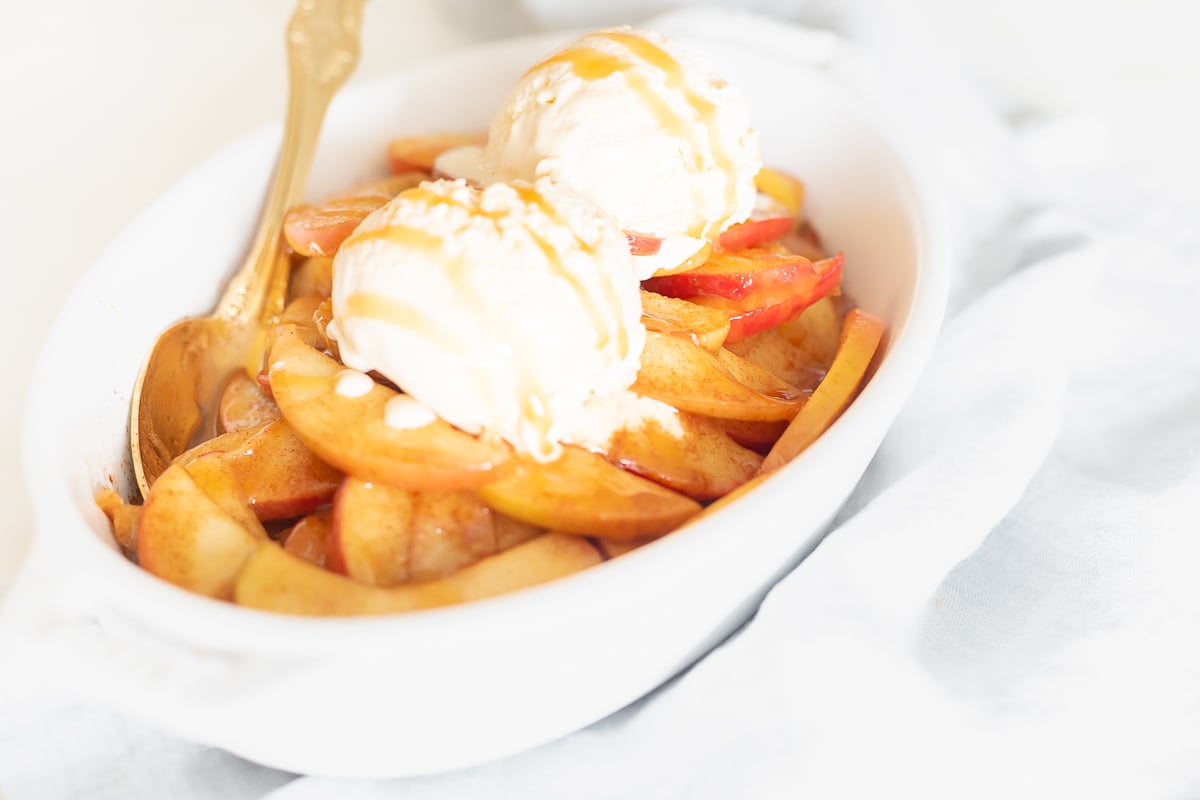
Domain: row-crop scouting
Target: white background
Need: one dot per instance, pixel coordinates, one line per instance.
(105, 105)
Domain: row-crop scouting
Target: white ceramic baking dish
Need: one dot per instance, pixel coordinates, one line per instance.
(441, 689)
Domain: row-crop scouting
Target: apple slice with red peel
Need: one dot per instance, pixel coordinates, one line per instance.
(320, 229)
(418, 153)
(184, 537)
(704, 463)
(861, 334)
(769, 270)
(756, 289)
(640, 245)
(274, 580)
(755, 232)
(309, 538)
(768, 308)
(707, 326)
(688, 377)
(244, 404)
(351, 433)
(582, 493)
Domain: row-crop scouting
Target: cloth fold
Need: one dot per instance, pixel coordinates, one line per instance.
(1007, 605)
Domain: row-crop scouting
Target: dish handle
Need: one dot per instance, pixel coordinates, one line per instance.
(60, 633)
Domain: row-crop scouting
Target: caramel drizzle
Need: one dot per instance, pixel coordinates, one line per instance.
(534, 407)
(531, 196)
(591, 64)
(385, 309)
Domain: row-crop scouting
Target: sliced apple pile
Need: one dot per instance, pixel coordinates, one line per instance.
(351, 432)
(305, 500)
(275, 580)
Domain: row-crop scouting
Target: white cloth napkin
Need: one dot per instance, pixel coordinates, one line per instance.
(1008, 606)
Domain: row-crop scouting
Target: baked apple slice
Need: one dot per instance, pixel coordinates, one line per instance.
(350, 431)
(582, 493)
(612, 549)
(274, 580)
(704, 463)
(122, 516)
(757, 436)
(861, 334)
(244, 404)
(756, 289)
(308, 538)
(266, 470)
(313, 276)
(688, 377)
(370, 532)
(386, 536)
(756, 232)
(798, 351)
(320, 229)
(185, 537)
(707, 327)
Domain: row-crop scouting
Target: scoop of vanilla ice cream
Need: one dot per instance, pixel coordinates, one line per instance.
(504, 310)
(637, 126)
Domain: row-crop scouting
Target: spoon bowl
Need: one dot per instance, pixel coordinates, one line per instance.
(175, 394)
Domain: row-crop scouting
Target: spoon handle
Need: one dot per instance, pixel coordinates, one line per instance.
(323, 48)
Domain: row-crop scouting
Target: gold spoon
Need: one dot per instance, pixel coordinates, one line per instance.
(179, 385)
